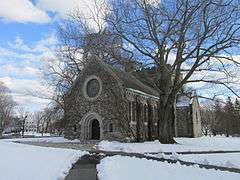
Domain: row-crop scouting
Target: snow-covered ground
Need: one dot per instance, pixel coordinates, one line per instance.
(25, 162)
(231, 160)
(212, 143)
(29, 134)
(19, 161)
(129, 168)
(36, 134)
(43, 139)
(184, 145)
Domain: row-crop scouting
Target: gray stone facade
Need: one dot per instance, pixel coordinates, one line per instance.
(188, 121)
(106, 103)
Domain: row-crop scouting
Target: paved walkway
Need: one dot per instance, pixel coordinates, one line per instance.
(84, 169)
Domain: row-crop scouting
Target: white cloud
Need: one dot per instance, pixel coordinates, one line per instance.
(22, 11)
(18, 43)
(20, 65)
(29, 53)
(27, 93)
(18, 71)
(87, 8)
(61, 7)
(5, 52)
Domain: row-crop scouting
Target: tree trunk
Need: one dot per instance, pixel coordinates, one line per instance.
(166, 124)
(167, 100)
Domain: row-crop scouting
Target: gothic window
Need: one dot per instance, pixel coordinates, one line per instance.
(153, 113)
(110, 127)
(134, 111)
(130, 110)
(145, 113)
(93, 88)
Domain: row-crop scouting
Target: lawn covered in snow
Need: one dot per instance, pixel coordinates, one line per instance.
(130, 168)
(231, 160)
(44, 139)
(48, 139)
(25, 162)
(183, 145)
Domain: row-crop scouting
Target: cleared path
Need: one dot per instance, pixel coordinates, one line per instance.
(84, 169)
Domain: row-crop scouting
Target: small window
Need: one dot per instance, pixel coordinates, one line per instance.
(111, 127)
(75, 128)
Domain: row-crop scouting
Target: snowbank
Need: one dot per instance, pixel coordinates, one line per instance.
(43, 139)
(184, 145)
(154, 146)
(212, 143)
(230, 160)
(129, 168)
(36, 134)
(25, 162)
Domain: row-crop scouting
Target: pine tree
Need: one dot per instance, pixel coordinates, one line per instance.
(217, 125)
(229, 117)
(237, 116)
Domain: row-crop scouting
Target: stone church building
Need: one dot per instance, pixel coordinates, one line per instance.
(107, 103)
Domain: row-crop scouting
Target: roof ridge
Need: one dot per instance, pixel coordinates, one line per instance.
(120, 74)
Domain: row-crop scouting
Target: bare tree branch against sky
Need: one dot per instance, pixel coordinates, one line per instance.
(27, 41)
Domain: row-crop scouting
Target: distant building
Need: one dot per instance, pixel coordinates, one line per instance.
(107, 103)
(30, 125)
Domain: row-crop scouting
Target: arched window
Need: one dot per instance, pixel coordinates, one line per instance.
(111, 127)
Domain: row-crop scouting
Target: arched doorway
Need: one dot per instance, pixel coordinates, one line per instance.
(95, 130)
(91, 127)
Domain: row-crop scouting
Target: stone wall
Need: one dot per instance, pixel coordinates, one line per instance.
(184, 126)
(105, 105)
(112, 107)
(188, 120)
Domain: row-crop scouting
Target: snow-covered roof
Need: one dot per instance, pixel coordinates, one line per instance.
(142, 93)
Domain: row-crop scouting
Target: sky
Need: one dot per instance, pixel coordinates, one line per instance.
(27, 39)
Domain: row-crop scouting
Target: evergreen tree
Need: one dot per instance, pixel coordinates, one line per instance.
(218, 121)
(237, 116)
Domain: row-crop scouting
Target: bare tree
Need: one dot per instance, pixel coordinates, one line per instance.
(187, 42)
(208, 119)
(181, 38)
(47, 119)
(222, 117)
(23, 115)
(77, 41)
(6, 107)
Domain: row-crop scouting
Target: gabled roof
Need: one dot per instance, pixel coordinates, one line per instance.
(131, 82)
